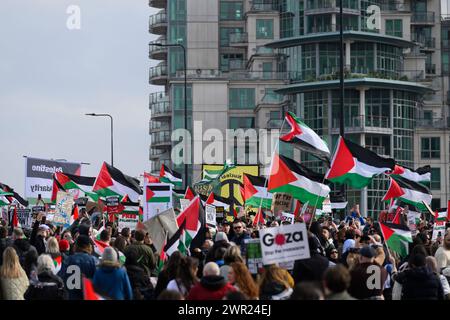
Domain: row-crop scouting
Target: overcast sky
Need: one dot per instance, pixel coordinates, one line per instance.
(51, 76)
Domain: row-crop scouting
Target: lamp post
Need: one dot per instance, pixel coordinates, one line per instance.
(112, 135)
(341, 78)
(179, 45)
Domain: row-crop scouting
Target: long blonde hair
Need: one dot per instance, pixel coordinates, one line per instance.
(11, 266)
(52, 245)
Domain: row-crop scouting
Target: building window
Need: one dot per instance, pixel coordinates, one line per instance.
(270, 96)
(225, 35)
(435, 204)
(242, 98)
(242, 122)
(394, 28)
(264, 29)
(267, 70)
(232, 61)
(231, 10)
(435, 183)
(431, 148)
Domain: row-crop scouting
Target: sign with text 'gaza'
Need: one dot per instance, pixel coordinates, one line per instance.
(284, 243)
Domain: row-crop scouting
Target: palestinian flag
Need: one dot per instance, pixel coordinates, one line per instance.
(151, 178)
(442, 214)
(176, 243)
(3, 200)
(162, 258)
(409, 192)
(291, 177)
(396, 237)
(305, 138)
(112, 182)
(214, 175)
(190, 194)
(88, 290)
(15, 219)
(192, 218)
(67, 182)
(14, 197)
(168, 176)
(255, 192)
(75, 214)
(259, 218)
(58, 263)
(99, 246)
(216, 201)
(355, 165)
(158, 193)
(420, 175)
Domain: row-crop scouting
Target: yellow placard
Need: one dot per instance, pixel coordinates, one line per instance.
(233, 179)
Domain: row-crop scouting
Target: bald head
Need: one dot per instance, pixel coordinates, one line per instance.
(211, 269)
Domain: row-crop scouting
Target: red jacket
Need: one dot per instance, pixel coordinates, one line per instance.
(210, 288)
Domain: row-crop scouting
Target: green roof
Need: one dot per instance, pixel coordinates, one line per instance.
(334, 37)
(353, 83)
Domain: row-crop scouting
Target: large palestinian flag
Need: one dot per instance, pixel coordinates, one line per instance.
(67, 182)
(169, 176)
(421, 175)
(396, 237)
(176, 242)
(158, 193)
(255, 192)
(14, 197)
(305, 138)
(112, 182)
(216, 201)
(409, 192)
(291, 177)
(192, 216)
(355, 165)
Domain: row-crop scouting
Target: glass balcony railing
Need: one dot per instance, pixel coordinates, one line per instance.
(436, 123)
(158, 125)
(161, 108)
(158, 22)
(361, 122)
(161, 137)
(380, 150)
(425, 42)
(264, 5)
(158, 71)
(423, 17)
(240, 37)
(154, 48)
(158, 97)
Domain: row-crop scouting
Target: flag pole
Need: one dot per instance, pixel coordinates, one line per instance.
(270, 166)
(315, 206)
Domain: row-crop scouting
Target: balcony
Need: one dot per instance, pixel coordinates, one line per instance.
(157, 52)
(423, 18)
(238, 39)
(366, 124)
(161, 110)
(155, 126)
(264, 5)
(161, 4)
(426, 43)
(380, 150)
(158, 23)
(434, 123)
(329, 7)
(161, 139)
(158, 75)
(430, 68)
(258, 75)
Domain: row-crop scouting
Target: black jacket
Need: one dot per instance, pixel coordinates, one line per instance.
(22, 247)
(140, 282)
(49, 287)
(210, 256)
(37, 240)
(4, 243)
(420, 284)
(311, 269)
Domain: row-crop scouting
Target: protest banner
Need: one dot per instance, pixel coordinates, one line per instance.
(39, 176)
(438, 230)
(413, 221)
(210, 213)
(25, 218)
(288, 217)
(113, 207)
(326, 206)
(281, 202)
(253, 256)
(158, 198)
(63, 209)
(161, 227)
(284, 243)
(81, 202)
(127, 220)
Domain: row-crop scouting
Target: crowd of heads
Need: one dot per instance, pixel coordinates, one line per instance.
(349, 260)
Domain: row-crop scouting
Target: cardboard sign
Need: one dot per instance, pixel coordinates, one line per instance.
(326, 206)
(184, 203)
(281, 202)
(37, 209)
(284, 243)
(413, 221)
(25, 218)
(241, 212)
(63, 210)
(220, 212)
(210, 213)
(253, 256)
(158, 198)
(81, 202)
(438, 230)
(289, 217)
(128, 221)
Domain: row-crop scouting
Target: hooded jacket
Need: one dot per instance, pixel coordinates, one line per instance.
(22, 247)
(140, 282)
(275, 291)
(420, 284)
(311, 269)
(210, 288)
(113, 283)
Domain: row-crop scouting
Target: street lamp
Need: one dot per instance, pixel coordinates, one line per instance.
(112, 135)
(185, 95)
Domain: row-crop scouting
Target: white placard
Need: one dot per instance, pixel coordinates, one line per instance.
(289, 217)
(127, 220)
(210, 212)
(284, 243)
(439, 227)
(184, 203)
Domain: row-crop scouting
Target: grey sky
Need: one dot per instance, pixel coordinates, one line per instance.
(50, 76)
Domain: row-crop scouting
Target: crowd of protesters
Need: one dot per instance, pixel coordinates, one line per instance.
(348, 261)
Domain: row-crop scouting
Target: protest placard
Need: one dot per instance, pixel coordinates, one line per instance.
(220, 212)
(184, 203)
(63, 210)
(253, 255)
(210, 213)
(438, 230)
(128, 221)
(158, 198)
(284, 243)
(281, 202)
(287, 217)
(25, 218)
